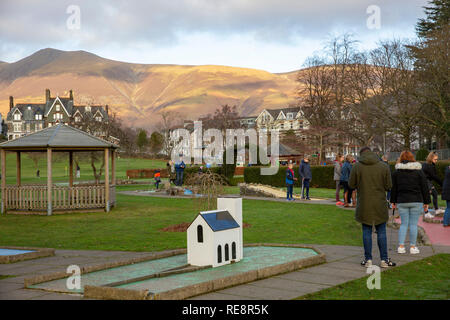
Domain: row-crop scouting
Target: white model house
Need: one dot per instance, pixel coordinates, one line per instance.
(215, 237)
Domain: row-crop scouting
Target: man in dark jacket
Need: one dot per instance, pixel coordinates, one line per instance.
(429, 168)
(304, 171)
(372, 178)
(179, 169)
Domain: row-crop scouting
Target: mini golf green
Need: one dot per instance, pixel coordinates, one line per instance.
(259, 261)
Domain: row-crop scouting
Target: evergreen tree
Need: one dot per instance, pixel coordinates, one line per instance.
(437, 16)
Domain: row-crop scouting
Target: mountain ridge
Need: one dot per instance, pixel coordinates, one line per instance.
(139, 92)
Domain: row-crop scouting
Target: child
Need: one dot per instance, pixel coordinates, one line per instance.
(290, 182)
(157, 176)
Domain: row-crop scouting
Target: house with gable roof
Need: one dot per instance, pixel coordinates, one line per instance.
(25, 118)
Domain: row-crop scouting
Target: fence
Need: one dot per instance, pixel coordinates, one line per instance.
(34, 197)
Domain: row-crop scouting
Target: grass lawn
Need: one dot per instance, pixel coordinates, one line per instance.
(136, 223)
(60, 168)
(423, 279)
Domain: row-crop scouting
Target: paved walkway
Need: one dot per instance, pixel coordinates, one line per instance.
(342, 265)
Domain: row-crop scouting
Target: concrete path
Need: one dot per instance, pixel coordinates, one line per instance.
(343, 264)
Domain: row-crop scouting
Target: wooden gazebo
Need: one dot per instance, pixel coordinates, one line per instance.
(49, 198)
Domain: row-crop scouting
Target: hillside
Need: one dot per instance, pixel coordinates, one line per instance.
(138, 92)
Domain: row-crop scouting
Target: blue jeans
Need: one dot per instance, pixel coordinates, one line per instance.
(409, 213)
(290, 188)
(305, 188)
(381, 240)
(179, 180)
(447, 214)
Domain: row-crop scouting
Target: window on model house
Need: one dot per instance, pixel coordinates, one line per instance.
(16, 116)
(17, 127)
(57, 107)
(233, 250)
(227, 252)
(219, 254)
(199, 233)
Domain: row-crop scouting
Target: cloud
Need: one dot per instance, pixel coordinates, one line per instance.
(163, 24)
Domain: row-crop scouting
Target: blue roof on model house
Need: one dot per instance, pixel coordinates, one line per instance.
(219, 220)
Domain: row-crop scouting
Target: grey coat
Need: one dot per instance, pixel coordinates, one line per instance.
(337, 171)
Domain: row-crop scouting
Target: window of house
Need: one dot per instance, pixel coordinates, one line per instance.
(227, 252)
(98, 118)
(77, 119)
(28, 127)
(233, 250)
(219, 254)
(16, 116)
(292, 125)
(290, 116)
(282, 126)
(57, 107)
(17, 127)
(199, 233)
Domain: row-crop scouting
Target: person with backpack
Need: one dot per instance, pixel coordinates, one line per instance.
(409, 194)
(371, 178)
(305, 173)
(446, 196)
(290, 178)
(429, 168)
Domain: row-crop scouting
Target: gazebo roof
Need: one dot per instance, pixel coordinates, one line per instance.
(60, 136)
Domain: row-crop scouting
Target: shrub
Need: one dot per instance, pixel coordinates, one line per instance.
(322, 176)
(421, 154)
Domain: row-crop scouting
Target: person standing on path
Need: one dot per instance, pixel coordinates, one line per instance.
(179, 168)
(290, 178)
(337, 177)
(371, 178)
(304, 171)
(446, 196)
(429, 168)
(349, 194)
(409, 194)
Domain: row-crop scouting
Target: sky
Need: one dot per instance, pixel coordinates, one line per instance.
(271, 35)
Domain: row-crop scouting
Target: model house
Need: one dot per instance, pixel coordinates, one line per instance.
(215, 237)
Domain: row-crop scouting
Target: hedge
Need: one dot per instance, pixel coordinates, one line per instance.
(322, 176)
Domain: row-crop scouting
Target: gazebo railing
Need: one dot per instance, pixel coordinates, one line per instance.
(34, 197)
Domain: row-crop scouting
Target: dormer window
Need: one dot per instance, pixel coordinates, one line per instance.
(17, 116)
(290, 116)
(77, 119)
(98, 118)
(57, 107)
(38, 117)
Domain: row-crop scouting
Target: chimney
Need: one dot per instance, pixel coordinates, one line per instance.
(107, 110)
(71, 95)
(11, 103)
(234, 206)
(47, 95)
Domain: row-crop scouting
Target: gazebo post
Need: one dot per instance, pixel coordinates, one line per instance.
(113, 167)
(106, 179)
(49, 181)
(70, 168)
(3, 159)
(18, 173)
